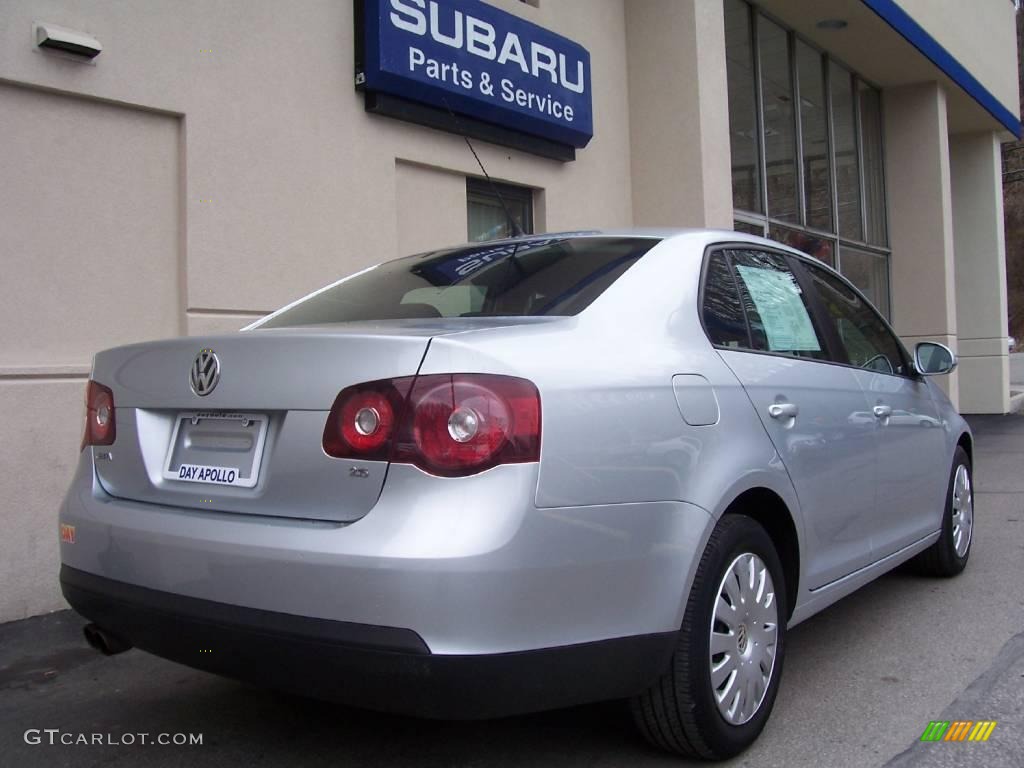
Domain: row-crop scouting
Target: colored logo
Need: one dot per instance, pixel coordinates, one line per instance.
(67, 533)
(958, 730)
(472, 58)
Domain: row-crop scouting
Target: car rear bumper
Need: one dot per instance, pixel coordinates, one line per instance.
(475, 570)
(383, 668)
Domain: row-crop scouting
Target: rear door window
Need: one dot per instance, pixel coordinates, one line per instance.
(776, 310)
(536, 277)
(723, 313)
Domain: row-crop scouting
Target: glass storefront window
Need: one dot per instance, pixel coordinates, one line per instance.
(871, 142)
(814, 128)
(821, 248)
(748, 228)
(743, 133)
(779, 122)
(870, 273)
(808, 169)
(487, 216)
(847, 162)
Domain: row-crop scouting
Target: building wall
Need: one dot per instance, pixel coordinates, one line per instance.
(212, 164)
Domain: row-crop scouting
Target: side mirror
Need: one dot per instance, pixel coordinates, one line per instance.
(933, 359)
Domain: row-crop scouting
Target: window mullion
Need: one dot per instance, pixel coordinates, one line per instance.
(859, 145)
(794, 74)
(831, 138)
(759, 104)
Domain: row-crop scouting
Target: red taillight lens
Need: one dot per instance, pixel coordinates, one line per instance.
(465, 423)
(99, 415)
(362, 420)
(445, 424)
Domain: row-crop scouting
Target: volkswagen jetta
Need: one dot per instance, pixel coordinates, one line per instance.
(520, 475)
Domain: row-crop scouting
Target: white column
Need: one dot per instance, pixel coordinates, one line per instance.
(679, 113)
(976, 178)
(921, 218)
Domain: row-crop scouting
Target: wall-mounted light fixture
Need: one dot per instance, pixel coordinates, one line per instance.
(832, 24)
(52, 37)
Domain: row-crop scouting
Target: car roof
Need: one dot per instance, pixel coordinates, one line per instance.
(708, 236)
(702, 237)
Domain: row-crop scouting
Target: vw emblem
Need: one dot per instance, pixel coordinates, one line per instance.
(205, 372)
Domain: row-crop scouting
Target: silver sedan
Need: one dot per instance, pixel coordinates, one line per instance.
(520, 475)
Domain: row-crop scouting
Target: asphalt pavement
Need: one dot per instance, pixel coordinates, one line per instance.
(862, 681)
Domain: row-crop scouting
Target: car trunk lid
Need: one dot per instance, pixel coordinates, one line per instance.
(251, 445)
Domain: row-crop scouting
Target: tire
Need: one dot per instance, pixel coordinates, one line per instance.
(949, 555)
(680, 713)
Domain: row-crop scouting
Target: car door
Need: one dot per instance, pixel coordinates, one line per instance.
(912, 464)
(812, 410)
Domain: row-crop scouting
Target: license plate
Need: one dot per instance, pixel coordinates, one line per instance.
(216, 448)
(198, 473)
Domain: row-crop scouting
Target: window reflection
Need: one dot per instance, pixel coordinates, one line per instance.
(821, 248)
(748, 228)
(779, 121)
(746, 176)
(723, 313)
(847, 164)
(870, 273)
(814, 126)
(871, 141)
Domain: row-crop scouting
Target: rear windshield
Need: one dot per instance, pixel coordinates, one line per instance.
(552, 276)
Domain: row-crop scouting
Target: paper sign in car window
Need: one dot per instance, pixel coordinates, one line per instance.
(777, 299)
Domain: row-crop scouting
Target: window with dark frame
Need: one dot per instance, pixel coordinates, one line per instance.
(490, 206)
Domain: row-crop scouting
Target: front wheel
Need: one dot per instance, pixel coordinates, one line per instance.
(948, 556)
(717, 694)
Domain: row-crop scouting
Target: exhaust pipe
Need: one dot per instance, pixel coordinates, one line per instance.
(106, 643)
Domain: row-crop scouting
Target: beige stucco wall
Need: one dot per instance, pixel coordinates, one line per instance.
(920, 218)
(977, 187)
(80, 222)
(678, 182)
(39, 442)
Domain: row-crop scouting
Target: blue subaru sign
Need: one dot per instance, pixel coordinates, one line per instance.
(476, 60)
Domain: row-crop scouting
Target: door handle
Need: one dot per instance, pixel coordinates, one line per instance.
(783, 410)
(882, 411)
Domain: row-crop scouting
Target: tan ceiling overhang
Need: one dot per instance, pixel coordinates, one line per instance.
(884, 45)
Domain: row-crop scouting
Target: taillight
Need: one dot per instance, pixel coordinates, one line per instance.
(445, 424)
(99, 415)
(362, 420)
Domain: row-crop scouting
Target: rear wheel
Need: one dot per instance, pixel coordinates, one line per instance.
(948, 556)
(717, 694)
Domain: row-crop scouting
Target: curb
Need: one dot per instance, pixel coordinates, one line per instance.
(1017, 403)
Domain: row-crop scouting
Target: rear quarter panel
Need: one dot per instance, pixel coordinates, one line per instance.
(612, 431)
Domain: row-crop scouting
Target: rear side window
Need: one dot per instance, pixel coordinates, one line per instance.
(543, 276)
(775, 306)
(723, 313)
(867, 341)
